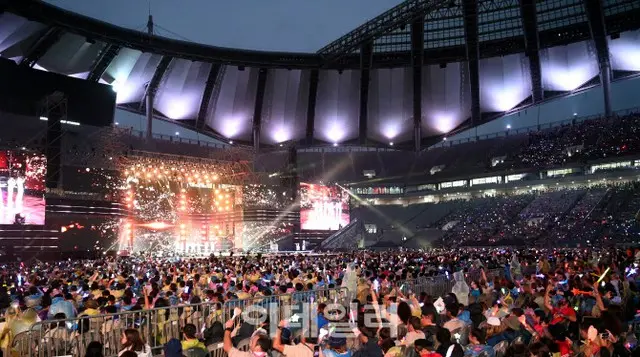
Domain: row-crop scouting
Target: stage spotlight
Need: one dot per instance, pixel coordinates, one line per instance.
(335, 144)
(231, 142)
(391, 143)
(177, 133)
(508, 126)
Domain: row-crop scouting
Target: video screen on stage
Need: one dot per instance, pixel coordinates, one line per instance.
(22, 187)
(323, 207)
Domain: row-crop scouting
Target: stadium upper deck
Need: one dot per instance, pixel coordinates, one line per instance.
(420, 71)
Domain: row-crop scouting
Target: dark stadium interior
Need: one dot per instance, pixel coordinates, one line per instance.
(464, 172)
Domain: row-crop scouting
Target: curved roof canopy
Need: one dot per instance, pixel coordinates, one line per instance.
(472, 59)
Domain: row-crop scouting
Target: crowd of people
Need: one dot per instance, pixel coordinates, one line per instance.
(587, 140)
(492, 302)
(584, 215)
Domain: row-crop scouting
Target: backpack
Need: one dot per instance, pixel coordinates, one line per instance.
(213, 334)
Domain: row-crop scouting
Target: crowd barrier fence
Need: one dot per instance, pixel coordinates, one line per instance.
(157, 326)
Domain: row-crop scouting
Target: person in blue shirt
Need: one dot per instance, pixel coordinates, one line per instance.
(60, 305)
(322, 321)
(477, 345)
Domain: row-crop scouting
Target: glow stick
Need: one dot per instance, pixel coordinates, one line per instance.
(603, 275)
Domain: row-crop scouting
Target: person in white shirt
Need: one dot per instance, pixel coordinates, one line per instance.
(415, 332)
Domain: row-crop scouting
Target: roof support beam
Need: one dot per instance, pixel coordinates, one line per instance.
(212, 79)
(599, 36)
(366, 59)
(150, 93)
(470, 10)
(41, 46)
(257, 108)
(314, 77)
(532, 46)
(153, 84)
(100, 65)
(417, 61)
(390, 20)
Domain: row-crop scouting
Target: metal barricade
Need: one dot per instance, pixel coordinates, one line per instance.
(156, 326)
(441, 285)
(72, 336)
(279, 306)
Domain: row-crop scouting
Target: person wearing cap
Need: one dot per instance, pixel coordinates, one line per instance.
(336, 347)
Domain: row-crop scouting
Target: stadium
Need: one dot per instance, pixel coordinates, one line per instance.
(451, 178)
(487, 121)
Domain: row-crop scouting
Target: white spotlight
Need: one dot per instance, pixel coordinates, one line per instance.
(177, 133)
(391, 143)
(44, 118)
(508, 126)
(575, 114)
(335, 144)
(231, 142)
(445, 138)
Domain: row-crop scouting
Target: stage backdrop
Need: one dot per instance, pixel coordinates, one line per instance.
(323, 207)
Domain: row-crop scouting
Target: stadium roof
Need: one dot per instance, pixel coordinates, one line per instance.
(473, 60)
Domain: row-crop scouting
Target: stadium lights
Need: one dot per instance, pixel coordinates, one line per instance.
(68, 122)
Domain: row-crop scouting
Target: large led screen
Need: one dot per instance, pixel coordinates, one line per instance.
(22, 175)
(323, 207)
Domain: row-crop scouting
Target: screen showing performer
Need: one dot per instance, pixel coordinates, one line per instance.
(22, 187)
(323, 207)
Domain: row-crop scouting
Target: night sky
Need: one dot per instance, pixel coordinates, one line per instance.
(279, 25)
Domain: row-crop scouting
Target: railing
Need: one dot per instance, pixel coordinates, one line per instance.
(441, 285)
(156, 326)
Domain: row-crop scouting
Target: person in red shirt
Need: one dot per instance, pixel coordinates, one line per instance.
(425, 349)
(561, 314)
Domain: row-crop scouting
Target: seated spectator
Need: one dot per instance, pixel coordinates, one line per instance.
(132, 342)
(336, 347)
(258, 346)
(94, 349)
(454, 323)
(425, 349)
(173, 348)
(477, 344)
(190, 341)
(415, 333)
